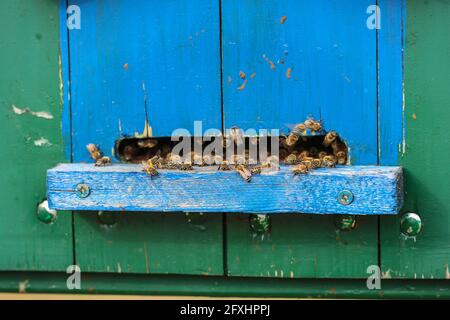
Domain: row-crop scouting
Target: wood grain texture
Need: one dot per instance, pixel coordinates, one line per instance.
(155, 244)
(377, 190)
(427, 175)
(390, 81)
(320, 62)
(30, 124)
(172, 47)
(301, 246)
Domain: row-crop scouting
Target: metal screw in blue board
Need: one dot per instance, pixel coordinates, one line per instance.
(345, 197)
(83, 190)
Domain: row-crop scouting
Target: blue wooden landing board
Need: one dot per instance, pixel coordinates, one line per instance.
(303, 58)
(124, 187)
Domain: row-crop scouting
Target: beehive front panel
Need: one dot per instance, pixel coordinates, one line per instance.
(284, 61)
(140, 69)
(143, 68)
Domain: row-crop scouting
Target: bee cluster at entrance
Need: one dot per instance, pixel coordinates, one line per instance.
(305, 148)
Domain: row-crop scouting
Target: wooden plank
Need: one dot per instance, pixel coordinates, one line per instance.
(302, 58)
(156, 243)
(171, 47)
(390, 81)
(301, 246)
(31, 136)
(376, 190)
(427, 149)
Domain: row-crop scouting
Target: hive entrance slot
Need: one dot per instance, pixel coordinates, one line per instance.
(313, 150)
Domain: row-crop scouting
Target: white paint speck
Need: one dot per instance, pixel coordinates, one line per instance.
(39, 114)
(42, 142)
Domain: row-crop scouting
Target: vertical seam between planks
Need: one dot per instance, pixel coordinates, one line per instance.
(69, 91)
(378, 122)
(222, 107)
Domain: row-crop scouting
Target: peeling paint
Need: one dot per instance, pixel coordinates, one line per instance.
(288, 73)
(283, 19)
(23, 285)
(42, 142)
(242, 86)
(271, 64)
(39, 114)
(147, 132)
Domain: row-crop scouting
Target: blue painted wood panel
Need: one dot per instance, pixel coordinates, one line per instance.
(171, 47)
(376, 190)
(302, 58)
(390, 84)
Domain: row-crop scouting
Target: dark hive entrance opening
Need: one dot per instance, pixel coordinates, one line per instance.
(305, 148)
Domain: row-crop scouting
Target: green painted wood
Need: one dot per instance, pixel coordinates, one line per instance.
(427, 77)
(54, 283)
(30, 127)
(301, 247)
(150, 243)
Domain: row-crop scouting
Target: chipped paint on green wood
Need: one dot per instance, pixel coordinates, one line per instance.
(30, 122)
(150, 243)
(301, 246)
(427, 100)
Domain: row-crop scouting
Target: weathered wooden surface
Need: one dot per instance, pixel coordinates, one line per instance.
(302, 58)
(301, 246)
(171, 47)
(376, 190)
(427, 149)
(154, 243)
(30, 124)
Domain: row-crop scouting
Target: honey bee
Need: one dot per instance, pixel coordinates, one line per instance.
(256, 170)
(322, 154)
(291, 159)
(186, 166)
(341, 157)
(147, 143)
(303, 154)
(149, 168)
(309, 124)
(307, 162)
(300, 169)
(294, 135)
(224, 166)
(103, 162)
(329, 138)
(316, 163)
(244, 172)
(94, 151)
(329, 161)
(317, 126)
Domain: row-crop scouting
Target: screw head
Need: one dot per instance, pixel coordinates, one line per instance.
(345, 222)
(45, 214)
(260, 223)
(410, 224)
(345, 197)
(83, 190)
